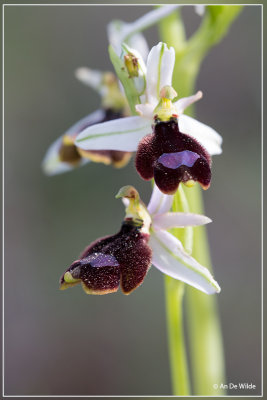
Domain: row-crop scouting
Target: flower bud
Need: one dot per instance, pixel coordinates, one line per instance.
(131, 63)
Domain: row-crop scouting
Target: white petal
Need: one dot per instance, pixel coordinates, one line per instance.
(178, 219)
(145, 110)
(160, 64)
(204, 134)
(200, 9)
(90, 77)
(184, 102)
(159, 203)
(52, 165)
(139, 42)
(170, 258)
(90, 119)
(122, 134)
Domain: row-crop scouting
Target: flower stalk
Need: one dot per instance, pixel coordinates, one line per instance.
(174, 292)
(205, 339)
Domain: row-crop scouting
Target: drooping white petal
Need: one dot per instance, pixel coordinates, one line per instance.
(178, 219)
(52, 165)
(90, 77)
(160, 64)
(170, 258)
(184, 102)
(159, 203)
(145, 110)
(121, 134)
(204, 134)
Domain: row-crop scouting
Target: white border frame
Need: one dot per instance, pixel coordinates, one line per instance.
(3, 225)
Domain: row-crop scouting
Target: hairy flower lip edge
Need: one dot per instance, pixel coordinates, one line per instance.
(132, 254)
(164, 245)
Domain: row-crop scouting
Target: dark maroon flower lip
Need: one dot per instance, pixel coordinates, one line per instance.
(171, 157)
(118, 260)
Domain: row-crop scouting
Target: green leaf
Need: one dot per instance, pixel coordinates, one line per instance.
(127, 82)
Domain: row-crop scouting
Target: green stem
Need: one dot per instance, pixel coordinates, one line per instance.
(205, 338)
(174, 310)
(172, 31)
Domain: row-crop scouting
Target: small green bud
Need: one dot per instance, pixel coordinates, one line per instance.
(131, 63)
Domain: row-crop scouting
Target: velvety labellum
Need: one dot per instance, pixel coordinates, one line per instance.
(171, 157)
(122, 259)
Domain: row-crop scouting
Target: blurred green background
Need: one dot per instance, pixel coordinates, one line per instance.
(71, 343)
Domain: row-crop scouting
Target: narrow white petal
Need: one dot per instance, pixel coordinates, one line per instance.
(145, 110)
(52, 165)
(184, 102)
(122, 134)
(159, 203)
(90, 119)
(170, 258)
(90, 77)
(178, 219)
(160, 64)
(204, 134)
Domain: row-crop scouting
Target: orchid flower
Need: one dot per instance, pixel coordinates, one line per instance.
(179, 148)
(125, 258)
(63, 155)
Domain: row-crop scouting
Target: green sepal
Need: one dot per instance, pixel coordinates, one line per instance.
(128, 83)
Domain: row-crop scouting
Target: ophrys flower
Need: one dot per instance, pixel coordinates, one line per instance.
(179, 148)
(125, 258)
